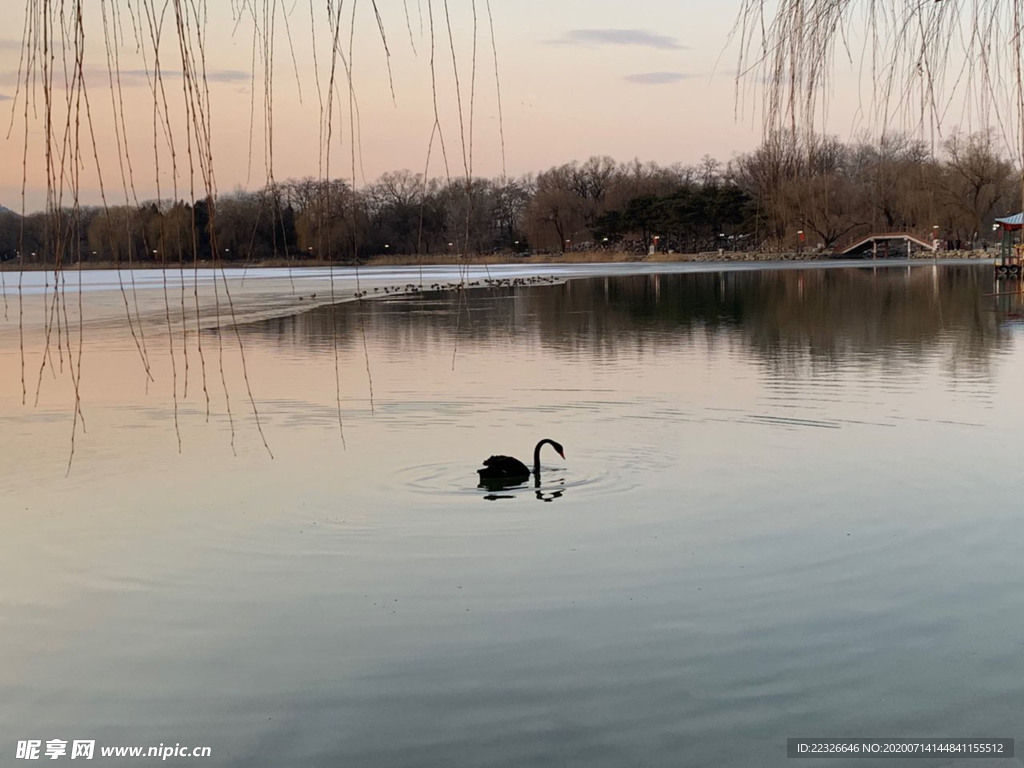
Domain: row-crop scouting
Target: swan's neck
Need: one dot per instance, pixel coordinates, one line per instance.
(536, 456)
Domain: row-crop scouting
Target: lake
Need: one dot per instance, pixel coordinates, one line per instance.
(788, 508)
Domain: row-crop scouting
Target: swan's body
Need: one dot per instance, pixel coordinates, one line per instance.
(503, 468)
(508, 468)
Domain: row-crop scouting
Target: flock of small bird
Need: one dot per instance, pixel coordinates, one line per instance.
(501, 282)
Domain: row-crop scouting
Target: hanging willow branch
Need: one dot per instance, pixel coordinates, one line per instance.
(923, 64)
(172, 40)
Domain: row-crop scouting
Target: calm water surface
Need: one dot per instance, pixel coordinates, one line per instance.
(790, 507)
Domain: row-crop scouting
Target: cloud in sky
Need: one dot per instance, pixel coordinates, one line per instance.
(636, 37)
(138, 77)
(212, 75)
(656, 78)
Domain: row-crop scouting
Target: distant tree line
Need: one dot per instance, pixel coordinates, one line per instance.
(792, 191)
(835, 192)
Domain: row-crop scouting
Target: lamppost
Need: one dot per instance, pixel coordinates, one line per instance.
(935, 240)
(800, 237)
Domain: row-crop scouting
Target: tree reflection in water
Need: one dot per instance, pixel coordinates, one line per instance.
(790, 320)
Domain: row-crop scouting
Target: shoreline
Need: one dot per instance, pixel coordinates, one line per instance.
(162, 301)
(572, 258)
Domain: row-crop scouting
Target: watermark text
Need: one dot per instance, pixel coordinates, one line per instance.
(86, 749)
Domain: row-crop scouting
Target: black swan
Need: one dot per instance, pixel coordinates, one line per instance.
(506, 468)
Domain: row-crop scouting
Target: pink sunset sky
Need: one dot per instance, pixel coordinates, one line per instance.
(652, 79)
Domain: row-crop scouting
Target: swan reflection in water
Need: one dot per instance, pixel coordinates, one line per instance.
(550, 495)
(505, 472)
(542, 495)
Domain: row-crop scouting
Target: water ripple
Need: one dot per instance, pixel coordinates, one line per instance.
(447, 480)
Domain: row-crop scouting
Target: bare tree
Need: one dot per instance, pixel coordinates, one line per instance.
(555, 207)
(765, 174)
(978, 183)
